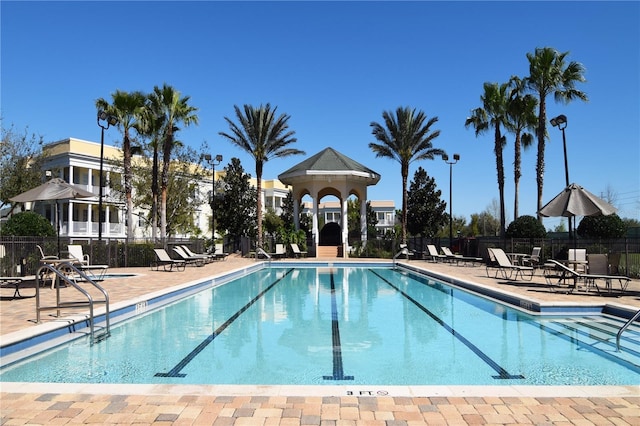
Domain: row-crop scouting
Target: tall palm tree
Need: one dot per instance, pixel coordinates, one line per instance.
(521, 114)
(167, 104)
(493, 113)
(550, 73)
(263, 136)
(127, 107)
(405, 137)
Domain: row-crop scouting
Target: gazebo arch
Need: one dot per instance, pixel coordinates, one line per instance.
(330, 173)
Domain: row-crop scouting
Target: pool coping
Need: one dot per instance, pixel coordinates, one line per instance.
(131, 307)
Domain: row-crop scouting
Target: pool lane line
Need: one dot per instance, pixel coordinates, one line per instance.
(175, 371)
(338, 370)
(502, 373)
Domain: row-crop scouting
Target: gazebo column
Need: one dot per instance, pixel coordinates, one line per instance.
(345, 227)
(363, 220)
(314, 230)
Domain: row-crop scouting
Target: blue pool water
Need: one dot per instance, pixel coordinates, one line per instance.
(352, 325)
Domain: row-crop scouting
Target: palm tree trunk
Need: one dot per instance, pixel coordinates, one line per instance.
(154, 194)
(259, 201)
(500, 171)
(405, 175)
(542, 116)
(126, 147)
(517, 173)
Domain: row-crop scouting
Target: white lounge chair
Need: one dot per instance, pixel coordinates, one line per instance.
(458, 257)
(163, 259)
(219, 252)
(504, 266)
(432, 253)
(561, 273)
(296, 251)
(83, 263)
(189, 260)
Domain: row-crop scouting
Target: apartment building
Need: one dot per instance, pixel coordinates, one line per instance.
(78, 162)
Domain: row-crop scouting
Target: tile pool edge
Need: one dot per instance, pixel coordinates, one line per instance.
(324, 390)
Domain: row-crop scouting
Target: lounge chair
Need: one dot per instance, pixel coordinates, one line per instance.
(533, 259)
(280, 252)
(578, 258)
(219, 252)
(563, 273)
(163, 259)
(506, 268)
(189, 260)
(458, 257)
(208, 258)
(83, 263)
(296, 251)
(432, 253)
(16, 282)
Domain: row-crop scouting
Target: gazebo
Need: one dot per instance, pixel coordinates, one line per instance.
(330, 173)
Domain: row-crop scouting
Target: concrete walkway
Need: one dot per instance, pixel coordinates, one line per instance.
(307, 405)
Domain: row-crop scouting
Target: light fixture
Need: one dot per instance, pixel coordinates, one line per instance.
(456, 158)
(109, 120)
(214, 162)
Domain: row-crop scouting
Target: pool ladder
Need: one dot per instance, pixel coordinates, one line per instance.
(624, 327)
(66, 272)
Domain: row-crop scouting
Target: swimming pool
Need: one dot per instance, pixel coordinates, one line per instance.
(352, 325)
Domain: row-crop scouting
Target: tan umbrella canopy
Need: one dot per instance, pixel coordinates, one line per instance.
(574, 200)
(53, 190)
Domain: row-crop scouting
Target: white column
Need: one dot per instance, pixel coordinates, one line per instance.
(345, 227)
(314, 230)
(363, 220)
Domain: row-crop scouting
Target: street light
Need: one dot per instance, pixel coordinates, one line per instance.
(214, 162)
(456, 158)
(109, 120)
(561, 123)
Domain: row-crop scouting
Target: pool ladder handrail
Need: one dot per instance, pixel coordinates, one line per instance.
(624, 327)
(260, 250)
(403, 250)
(63, 276)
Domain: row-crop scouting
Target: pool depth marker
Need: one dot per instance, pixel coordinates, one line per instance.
(175, 371)
(338, 370)
(502, 373)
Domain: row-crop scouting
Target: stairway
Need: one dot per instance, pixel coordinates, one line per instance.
(329, 251)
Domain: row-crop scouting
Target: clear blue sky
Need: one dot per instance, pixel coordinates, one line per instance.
(335, 67)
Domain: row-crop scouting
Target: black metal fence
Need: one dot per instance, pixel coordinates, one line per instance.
(21, 255)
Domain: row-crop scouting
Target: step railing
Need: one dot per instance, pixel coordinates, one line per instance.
(66, 272)
(624, 327)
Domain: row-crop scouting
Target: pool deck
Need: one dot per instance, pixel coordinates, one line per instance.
(307, 405)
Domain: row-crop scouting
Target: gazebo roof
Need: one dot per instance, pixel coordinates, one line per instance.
(329, 162)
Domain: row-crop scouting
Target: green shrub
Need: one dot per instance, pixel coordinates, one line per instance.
(526, 227)
(27, 224)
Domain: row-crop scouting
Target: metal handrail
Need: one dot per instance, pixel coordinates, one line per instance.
(60, 275)
(624, 327)
(403, 250)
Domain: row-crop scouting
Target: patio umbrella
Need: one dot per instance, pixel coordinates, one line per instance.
(53, 190)
(573, 201)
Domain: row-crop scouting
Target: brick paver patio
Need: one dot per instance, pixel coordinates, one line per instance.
(52, 404)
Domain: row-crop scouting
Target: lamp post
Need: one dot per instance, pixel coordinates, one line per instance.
(108, 120)
(214, 162)
(456, 158)
(561, 123)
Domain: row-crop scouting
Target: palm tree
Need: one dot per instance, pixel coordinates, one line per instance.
(493, 113)
(549, 73)
(127, 107)
(405, 137)
(263, 136)
(172, 109)
(521, 114)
